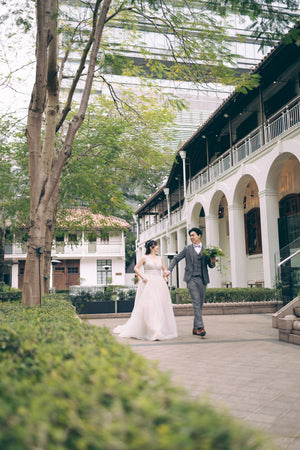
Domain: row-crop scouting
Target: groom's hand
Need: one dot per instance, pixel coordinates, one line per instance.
(166, 273)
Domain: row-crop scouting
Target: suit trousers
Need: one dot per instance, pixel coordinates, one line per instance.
(197, 290)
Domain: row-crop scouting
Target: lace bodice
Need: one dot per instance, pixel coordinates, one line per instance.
(151, 268)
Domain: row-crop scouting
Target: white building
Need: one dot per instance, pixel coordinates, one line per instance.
(88, 258)
(238, 179)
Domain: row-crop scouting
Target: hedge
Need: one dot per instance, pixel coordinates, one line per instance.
(110, 293)
(67, 385)
(8, 293)
(225, 295)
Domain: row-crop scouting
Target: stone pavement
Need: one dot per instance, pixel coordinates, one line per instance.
(240, 365)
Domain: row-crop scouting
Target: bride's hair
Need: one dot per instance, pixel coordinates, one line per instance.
(149, 245)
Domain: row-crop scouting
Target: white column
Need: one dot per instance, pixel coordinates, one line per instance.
(15, 275)
(269, 213)
(164, 250)
(237, 246)
(51, 276)
(182, 154)
(212, 231)
(167, 191)
(181, 265)
(212, 239)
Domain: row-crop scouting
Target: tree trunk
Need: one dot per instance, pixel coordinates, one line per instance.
(45, 167)
(33, 286)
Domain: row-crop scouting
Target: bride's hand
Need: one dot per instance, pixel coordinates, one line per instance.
(145, 280)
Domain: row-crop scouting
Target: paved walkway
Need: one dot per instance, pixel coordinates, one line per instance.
(240, 364)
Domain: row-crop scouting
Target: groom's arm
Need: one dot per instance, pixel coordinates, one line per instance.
(176, 260)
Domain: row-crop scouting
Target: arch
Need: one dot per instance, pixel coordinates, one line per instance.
(275, 170)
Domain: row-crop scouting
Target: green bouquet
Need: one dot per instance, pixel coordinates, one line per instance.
(213, 252)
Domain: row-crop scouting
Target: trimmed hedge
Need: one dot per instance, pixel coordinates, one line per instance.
(110, 293)
(226, 295)
(10, 296)
(67, 385)
(8, 293)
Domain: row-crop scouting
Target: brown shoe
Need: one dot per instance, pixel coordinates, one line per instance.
(199, 331)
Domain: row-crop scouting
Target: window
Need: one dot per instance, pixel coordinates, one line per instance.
(253, 232)
(59, 269)
(289, 205)
(104, 271)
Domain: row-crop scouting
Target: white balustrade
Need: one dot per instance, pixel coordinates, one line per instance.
(283, 120)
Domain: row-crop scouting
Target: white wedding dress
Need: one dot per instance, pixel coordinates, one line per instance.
(152, 317)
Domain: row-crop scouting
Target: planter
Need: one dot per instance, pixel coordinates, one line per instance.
(103, 307)
(124, 306)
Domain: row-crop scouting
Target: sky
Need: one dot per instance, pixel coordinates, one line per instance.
(16, 63)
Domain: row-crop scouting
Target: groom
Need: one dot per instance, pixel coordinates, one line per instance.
(195, 275)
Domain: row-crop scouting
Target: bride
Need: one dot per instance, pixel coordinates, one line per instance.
(152, 317)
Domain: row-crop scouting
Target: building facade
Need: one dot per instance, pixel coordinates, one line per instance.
(238, 179)
(91, 255)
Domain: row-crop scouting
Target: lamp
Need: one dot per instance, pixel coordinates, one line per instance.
(106, 268)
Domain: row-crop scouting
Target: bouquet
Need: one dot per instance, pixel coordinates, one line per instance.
(213, 252)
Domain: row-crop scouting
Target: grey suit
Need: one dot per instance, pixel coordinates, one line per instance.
(196, 276)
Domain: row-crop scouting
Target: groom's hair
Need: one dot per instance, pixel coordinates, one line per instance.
(197, 231)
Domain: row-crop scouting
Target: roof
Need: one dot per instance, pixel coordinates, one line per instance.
(84, 218)
(256, 70)
(149, 199)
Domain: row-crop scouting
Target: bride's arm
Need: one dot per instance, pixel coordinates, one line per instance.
(137, 269)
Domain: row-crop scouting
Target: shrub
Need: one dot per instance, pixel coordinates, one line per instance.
(108, 293)
(67, 385)
(226, 295)
(127, 294)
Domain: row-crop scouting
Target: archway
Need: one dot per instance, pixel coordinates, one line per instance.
(281, 224)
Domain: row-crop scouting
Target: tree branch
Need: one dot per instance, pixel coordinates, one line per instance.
(80, 69)
(77, 120)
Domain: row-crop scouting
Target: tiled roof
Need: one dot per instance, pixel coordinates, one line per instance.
(85, 219)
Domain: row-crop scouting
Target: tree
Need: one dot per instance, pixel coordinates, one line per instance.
(14, 200)
(199, 52)
(122, 161)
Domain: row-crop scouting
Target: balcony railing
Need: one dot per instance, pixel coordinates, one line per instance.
(79, 249)
(280, 122)
(156, 228)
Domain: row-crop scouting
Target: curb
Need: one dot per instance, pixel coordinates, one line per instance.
(208, 309)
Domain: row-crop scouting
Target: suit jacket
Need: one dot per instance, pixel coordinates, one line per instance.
(189, 253)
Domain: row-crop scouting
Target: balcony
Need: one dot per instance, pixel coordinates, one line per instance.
(279, 123)
(90, 249)
(159, 227)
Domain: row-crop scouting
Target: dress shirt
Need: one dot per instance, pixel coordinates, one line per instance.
(197, 248)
